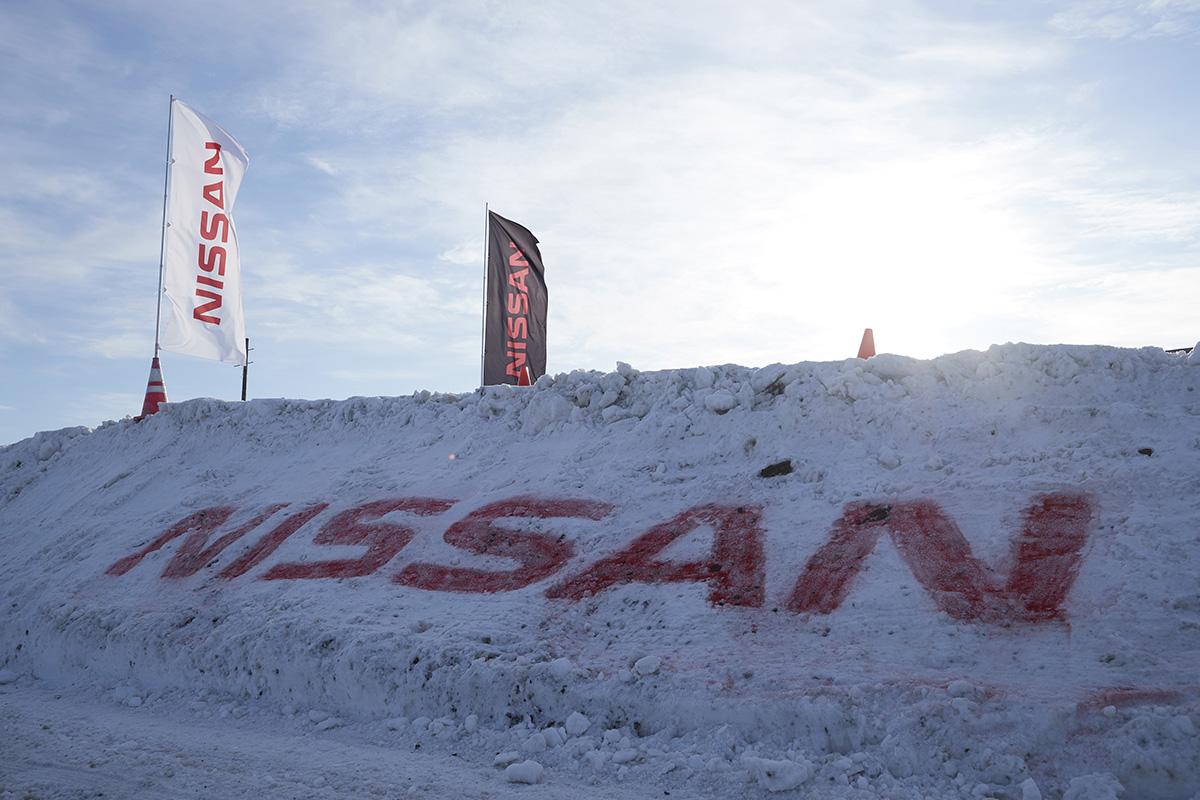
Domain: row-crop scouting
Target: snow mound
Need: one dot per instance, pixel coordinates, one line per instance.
(968, 576)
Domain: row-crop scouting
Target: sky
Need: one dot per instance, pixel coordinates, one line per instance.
(710, 182)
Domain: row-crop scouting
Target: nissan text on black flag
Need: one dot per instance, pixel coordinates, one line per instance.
(514, 332)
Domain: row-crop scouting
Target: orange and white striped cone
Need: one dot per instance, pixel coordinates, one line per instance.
(156, 391)
(525, 378)
(867, 348)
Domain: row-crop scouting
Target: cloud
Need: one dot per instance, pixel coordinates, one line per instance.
(18, 328)
(694, 178)
(138, 341)
(359, 303)
(465, 252)
(986, 55)
(1119, 19)
(47, 42)
(97, 407)
(373, 70)
(709, 185)
(321, 164)
(683, 209)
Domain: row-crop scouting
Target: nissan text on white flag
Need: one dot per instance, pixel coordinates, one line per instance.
(202, 276)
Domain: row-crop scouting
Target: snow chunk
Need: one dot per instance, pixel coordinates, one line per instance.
(525, 772)
(625, 756)
(647, 665)
(544, 411)
(536, 743)
(329, 723)
(561, 668)
(777, 776)
(471, 723)
(8, 676)
(1097, 786)
(892, 367)
(604, 399)
(768, 376)
(720, 401)
(555, 737)
(577, 724)
(1030, 790)
(396, 723)
(506, 758)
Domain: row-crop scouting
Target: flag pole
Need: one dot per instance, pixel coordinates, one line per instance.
(162, 244)
(246, 369)
(487, 243)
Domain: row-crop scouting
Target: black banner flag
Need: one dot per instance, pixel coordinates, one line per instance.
(514, 334)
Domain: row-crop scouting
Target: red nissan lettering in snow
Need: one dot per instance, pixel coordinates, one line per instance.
(1046, 553)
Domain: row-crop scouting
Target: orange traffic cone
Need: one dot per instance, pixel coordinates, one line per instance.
(156, 392)
(525, 378)
(867, 348)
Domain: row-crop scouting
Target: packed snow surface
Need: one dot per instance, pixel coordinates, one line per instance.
(968, 577)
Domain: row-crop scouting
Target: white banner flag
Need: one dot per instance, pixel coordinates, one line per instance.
(202, 275)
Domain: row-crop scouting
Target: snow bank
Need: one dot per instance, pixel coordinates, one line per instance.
(969, 576)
